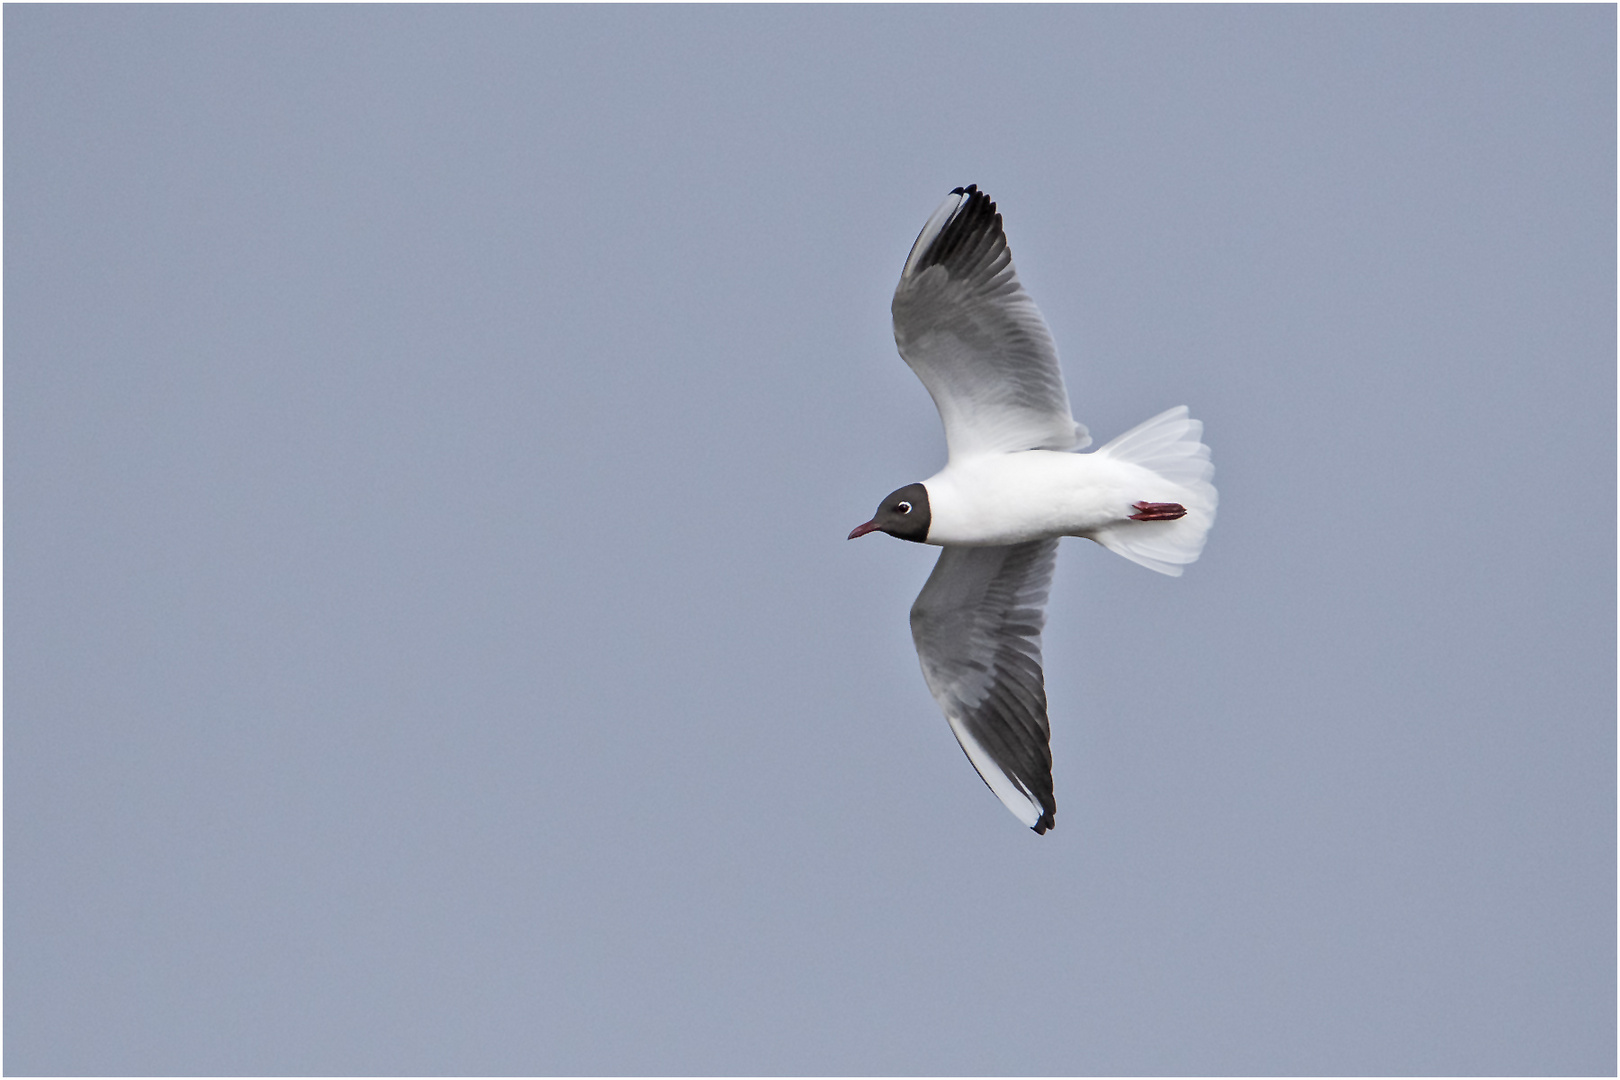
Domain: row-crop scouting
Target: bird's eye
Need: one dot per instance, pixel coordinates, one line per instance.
(903, 507)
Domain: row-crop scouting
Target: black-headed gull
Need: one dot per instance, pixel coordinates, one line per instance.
(1011, 487)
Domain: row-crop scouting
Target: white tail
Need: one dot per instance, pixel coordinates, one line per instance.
(1169, 447)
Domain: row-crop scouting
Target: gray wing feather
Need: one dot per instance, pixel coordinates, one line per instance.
(977, 626)
(965, 325)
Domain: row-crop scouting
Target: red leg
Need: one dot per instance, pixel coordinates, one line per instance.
(1147, 511)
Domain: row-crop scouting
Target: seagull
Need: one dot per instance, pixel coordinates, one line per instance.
(1012, 485)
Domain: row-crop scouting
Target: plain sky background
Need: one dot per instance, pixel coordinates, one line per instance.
(431, 641)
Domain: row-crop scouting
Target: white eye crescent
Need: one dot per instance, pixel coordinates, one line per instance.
(904, 507)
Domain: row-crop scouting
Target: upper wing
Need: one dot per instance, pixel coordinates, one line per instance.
(977, 625)
(975, 338)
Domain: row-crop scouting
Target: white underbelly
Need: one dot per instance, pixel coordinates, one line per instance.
(1035, 494)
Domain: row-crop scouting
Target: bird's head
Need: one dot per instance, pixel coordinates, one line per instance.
(903, 513)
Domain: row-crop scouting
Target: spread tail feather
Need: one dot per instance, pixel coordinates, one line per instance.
(1168, 446)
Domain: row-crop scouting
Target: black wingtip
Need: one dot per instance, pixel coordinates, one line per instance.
(1046, 821)
(973, 227)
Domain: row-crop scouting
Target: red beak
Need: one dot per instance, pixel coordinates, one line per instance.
(862, 530)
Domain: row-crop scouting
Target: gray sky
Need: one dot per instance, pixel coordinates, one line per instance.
(431, 641)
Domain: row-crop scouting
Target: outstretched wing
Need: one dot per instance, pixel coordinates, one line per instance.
(976, 340)
(977, 625)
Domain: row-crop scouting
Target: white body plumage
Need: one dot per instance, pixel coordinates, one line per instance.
(1035, 494)
(987, 499)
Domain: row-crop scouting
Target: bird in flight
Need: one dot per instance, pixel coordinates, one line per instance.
(1011, 487)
